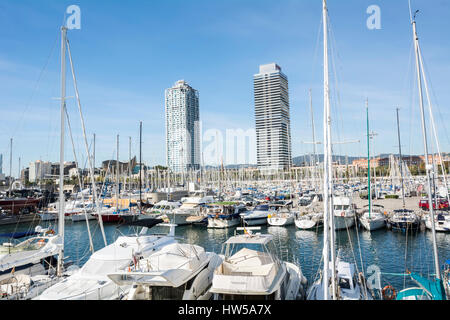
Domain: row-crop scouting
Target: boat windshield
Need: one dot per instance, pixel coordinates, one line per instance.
(344, 283)
(27, 245)
(167, 293)
(263, 207)
(341, 207)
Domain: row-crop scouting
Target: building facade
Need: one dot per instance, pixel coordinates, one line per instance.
(39, 170)
(272, 117)
(182, 127)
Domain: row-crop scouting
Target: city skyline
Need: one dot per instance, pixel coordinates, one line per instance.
(120, 83)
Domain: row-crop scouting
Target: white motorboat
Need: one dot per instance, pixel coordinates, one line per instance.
(162, 207)
(176, 272)
(251, 270)
(31, 256)
(91, 282)
(257, 216)
(374, 219)
(344, 212)
(190, 207)
(224, 215)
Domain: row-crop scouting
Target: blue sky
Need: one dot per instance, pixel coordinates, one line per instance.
(127, 53)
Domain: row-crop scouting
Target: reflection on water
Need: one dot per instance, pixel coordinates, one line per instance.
(392, 252)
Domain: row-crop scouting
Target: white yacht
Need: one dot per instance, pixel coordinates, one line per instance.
(27, 257)
(176, 272)
(162, 207)
(224, 215)
(373, 219)
(91, 282)
(190, 207)
(257, 216)
(251, 270)
(344, 212)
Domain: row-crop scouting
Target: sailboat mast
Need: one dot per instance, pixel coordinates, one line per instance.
(326, 183)
(10, 167)
(369, 193)
(61, 151)
(314, 139)
(129, 174)
(117, 175)
(140, 165)
(428, 166)
(401, 158)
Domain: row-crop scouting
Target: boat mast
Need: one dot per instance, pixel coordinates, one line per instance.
(140, 165)
(61, 151)
(117, 176)
(428, 166)
(10, 167)
(129, 174)
(401, 158)
(314, 140)
(369, 193)
(327, 165)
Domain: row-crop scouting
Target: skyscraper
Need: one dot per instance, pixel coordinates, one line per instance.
(182, 127)
(273, 129)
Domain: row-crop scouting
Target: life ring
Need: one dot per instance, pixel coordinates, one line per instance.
(392, 295)
(41, 242)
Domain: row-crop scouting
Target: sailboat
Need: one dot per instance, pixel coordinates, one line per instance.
(403, 219)
(29, 253)
(427, 289)
(338, 279)
(371, 219)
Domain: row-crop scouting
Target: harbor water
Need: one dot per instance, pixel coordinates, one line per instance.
(391, 253)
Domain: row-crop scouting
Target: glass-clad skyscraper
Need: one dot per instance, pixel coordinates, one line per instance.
(182, 127)
(273, 129)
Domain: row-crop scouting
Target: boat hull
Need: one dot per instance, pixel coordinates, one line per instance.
(342, 223)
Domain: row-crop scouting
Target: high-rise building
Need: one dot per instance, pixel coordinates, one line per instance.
(182, 127)
(39, 170)
(1, 163)
(273, 129)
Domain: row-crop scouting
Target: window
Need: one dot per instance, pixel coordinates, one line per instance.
(344, 283)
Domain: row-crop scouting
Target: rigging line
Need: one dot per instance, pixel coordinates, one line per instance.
(91, 244)
(433, 93)
(335, 56)
(316, 50)
(41, 73)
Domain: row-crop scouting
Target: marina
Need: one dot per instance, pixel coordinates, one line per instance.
(325, 228)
